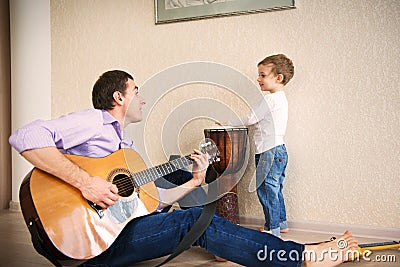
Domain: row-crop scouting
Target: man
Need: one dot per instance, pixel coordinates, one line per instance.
(99, 132)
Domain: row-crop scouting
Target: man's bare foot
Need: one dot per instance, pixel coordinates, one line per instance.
(329, 254)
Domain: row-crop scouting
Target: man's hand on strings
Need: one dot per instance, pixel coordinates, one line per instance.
(100, 192)
(200, 166)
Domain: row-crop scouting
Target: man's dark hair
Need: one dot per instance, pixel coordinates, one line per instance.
(104, 88)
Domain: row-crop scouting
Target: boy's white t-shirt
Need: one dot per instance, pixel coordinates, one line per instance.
(269, 119)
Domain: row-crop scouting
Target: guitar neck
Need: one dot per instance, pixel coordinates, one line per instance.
(153, 173)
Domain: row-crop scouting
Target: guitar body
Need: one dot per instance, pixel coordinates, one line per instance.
(73, 228)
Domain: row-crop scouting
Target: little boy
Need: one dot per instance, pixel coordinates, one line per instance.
(270, 120)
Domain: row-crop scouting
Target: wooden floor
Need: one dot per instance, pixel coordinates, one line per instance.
(17, 250)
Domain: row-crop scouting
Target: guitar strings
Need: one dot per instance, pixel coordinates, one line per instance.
(126, 183)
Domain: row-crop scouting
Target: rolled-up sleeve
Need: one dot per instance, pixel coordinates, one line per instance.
(31, 136)
(64, 132)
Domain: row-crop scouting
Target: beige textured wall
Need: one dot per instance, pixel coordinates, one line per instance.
(344, 99)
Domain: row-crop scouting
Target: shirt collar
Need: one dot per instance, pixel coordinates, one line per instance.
(108, 118)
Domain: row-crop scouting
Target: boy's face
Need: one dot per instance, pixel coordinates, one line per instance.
(267, 80)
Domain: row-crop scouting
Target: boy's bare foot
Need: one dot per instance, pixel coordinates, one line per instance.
(270, 232)
(331, 253)
(219, 259)
(265, 231)
(284, 230)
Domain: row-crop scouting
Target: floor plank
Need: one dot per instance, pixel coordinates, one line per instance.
(17, 250)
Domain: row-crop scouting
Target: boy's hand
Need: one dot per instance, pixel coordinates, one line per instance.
(221, 123)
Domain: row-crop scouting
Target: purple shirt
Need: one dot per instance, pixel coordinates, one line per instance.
(92, 133)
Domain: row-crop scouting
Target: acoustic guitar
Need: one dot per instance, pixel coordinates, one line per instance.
(75, 228)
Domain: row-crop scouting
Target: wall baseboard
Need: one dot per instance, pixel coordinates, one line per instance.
(14, 206)
(331, 228)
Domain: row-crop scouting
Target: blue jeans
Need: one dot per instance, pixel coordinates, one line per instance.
(158, 234)
(270, 173)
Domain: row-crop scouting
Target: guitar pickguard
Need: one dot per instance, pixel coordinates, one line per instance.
(126, 206)
(123, 209)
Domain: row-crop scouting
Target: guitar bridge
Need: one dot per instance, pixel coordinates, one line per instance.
(96, 208)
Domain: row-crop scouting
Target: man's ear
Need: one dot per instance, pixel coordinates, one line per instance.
(117, 95)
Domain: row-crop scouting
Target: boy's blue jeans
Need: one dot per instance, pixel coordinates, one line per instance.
(158, 234)
(270, 173)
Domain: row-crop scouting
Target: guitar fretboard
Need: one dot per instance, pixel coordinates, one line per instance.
(153, 173)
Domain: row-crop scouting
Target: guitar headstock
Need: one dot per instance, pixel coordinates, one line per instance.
(209, 148)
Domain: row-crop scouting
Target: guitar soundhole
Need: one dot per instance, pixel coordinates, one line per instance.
(124, 184)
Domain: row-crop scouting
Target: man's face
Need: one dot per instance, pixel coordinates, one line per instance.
(133, 103)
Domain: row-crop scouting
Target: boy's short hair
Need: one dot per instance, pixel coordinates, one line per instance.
(281, 65)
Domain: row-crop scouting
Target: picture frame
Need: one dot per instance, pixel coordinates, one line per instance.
(167, 11)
